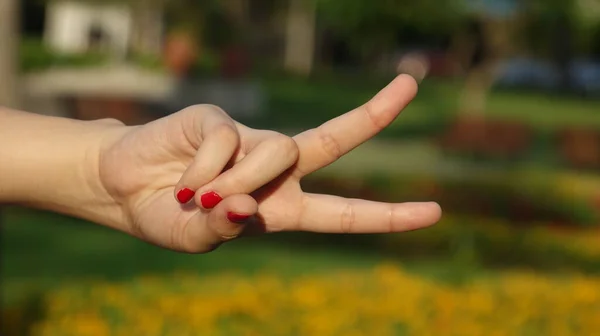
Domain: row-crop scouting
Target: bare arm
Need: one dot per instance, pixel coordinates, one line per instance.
(195, 179)
(51, 163)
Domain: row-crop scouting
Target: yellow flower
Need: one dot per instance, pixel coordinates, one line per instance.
(383, 301)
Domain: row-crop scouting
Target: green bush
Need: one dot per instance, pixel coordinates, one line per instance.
(35, 56)
(150, 62)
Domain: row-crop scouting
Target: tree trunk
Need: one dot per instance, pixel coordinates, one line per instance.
(148, 27)
(478, 83)
(494, 46)
(564, 50)
(9, 53)
(238, 9)
(9, 64)
(300, 37)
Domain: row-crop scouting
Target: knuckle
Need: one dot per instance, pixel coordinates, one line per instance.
(288, 146)
(392, 218)
(348, 218)
(192, 109)
(226, 132)
(231, 182)
(110, 121)
(203, 109)
(329, 144)
(209, 108)
(377, 120)
(197, 172)
(284, 146)
(215, 109)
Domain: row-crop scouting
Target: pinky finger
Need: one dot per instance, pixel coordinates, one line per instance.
(226, 221)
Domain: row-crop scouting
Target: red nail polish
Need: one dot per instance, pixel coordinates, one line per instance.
(185, 195)
(210, 199)
(237, 218)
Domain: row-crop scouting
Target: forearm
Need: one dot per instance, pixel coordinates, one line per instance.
(52, 163)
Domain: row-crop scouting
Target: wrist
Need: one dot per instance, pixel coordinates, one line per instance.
(102, 206)
(52, 163)
(82, 194)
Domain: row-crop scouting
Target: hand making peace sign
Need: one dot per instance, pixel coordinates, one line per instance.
(197, 178)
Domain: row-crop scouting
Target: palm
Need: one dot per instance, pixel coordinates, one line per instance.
(140, 170)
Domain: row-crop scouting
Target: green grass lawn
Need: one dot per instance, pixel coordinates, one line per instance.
(41, 250)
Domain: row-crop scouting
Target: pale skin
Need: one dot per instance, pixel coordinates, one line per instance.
(149, 180)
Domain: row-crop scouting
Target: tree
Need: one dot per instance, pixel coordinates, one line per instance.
(551, 33)
(480, 46)
(372, 26)
(480, 41)
(560, 30)
(9, 50)
(147, 26)
(300, 37)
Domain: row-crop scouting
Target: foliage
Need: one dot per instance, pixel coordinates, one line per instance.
(199, 17)
(547, 19)
(363, 14)
(385, 300)
(371, 25)
(35, 56)
(147, 61)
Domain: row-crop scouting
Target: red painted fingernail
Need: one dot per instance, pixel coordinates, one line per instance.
(237, 218)
(185, 195)
(210, 199)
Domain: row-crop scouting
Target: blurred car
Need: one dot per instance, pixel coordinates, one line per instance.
(540, 74)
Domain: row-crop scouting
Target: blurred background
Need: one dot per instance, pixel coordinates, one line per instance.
(504, 134)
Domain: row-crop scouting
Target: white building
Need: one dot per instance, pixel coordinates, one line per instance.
(78, 27)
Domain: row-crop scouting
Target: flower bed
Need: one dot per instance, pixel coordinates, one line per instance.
(381, 301)
(580, 147)
(481, 137)
(484, 138)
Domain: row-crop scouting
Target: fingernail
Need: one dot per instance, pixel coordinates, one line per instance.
(210, 199)
(185, 195)
(237, 218)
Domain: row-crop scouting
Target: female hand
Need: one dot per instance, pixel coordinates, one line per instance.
(154, 172)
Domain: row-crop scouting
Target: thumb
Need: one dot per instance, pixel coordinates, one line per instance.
(226, 221)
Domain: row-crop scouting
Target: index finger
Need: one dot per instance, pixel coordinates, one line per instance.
(321, 146)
